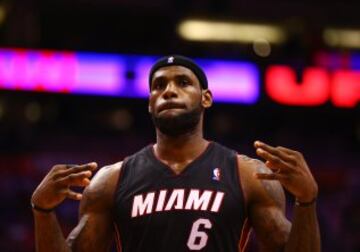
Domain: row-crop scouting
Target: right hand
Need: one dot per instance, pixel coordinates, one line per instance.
(55, 187)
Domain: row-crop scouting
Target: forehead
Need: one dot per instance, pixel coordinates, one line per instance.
(172, 71)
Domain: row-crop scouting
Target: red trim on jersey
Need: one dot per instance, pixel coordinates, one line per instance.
(117, 232)
(119, 178)
(188, 165)
(245, 235)
(241, 186)
(117, 238)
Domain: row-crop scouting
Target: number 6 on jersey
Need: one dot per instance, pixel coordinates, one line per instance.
(198, 239)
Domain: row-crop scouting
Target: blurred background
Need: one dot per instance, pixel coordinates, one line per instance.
(73, 90)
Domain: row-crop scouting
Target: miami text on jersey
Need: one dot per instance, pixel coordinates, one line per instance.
(177, 199)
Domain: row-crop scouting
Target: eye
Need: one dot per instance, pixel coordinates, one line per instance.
(184, 82)
(158, 85)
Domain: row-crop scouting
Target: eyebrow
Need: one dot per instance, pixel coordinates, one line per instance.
(182, 75)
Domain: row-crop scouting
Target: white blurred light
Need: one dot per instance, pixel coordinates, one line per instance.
(347, 38)
(262, 47)
(2, 14)
(201, 30)
(33, 112)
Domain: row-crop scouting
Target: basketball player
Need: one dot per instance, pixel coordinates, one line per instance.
(184, 193)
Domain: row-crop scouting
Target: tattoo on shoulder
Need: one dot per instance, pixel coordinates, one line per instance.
(273, 188)
(260, 167)
(257, 165)
(244, 157)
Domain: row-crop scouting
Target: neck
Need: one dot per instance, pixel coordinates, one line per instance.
(180, 148)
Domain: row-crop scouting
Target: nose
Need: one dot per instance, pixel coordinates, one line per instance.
(170, 91)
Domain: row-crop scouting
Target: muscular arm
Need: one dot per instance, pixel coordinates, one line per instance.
(94, 230)
(266, 203)
(305, 233)
(48, 234)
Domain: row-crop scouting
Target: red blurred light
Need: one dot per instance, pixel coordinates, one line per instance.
(282, 87)
(345, 91)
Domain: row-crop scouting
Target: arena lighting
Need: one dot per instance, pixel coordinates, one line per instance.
(127, 76)
(346, 88)
(229, 81)
(115, 75)
(336, 60)
(317, 87)
(65, 72)
(281, 86)
(355, 61)
(217, 31)
(346, 38)
(3, 14)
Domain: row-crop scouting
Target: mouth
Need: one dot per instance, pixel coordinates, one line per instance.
(170, 105)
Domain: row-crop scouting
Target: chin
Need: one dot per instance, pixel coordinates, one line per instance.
(171, 113)
(176, 122)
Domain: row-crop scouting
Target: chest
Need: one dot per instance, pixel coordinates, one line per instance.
(153, 189)
(166, 211)
(177, 167)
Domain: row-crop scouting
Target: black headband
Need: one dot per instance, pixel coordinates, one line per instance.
(178, 60)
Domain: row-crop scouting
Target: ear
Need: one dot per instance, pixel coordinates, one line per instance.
(149, 108)
(207, 98)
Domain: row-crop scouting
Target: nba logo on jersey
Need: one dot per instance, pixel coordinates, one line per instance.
(216, 174)
(171, 59)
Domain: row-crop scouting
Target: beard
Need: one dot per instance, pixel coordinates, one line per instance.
(178, 125)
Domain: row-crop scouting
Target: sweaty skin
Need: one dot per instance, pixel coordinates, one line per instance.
(94, 231)
(266, 207)
(176, 90)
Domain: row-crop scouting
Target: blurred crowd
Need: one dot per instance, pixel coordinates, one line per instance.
(28, 152)
(38, 131)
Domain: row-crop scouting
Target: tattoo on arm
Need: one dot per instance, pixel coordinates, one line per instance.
(273, 188)
(267, 208)
(273, 230)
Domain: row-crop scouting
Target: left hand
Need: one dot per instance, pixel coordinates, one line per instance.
(290, 169)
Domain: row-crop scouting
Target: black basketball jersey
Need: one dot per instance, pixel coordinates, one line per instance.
(200, 209)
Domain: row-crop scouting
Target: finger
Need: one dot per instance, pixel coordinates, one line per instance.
(273, 162)
(62, 170)
(70, 165)
(77, 169)
(269, 148)
(268, 176)
(73, 195)
(82, 183)
(276, 151)
(286, 150)
(60, 167)
(75, 179)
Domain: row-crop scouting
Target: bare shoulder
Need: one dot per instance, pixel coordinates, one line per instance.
(94, 231)
(255, 189)
(265, 203)
(99, 194)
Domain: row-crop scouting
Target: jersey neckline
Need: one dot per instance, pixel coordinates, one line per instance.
(192, 163)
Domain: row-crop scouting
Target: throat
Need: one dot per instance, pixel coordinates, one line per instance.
(176, 167)
(180, 157)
